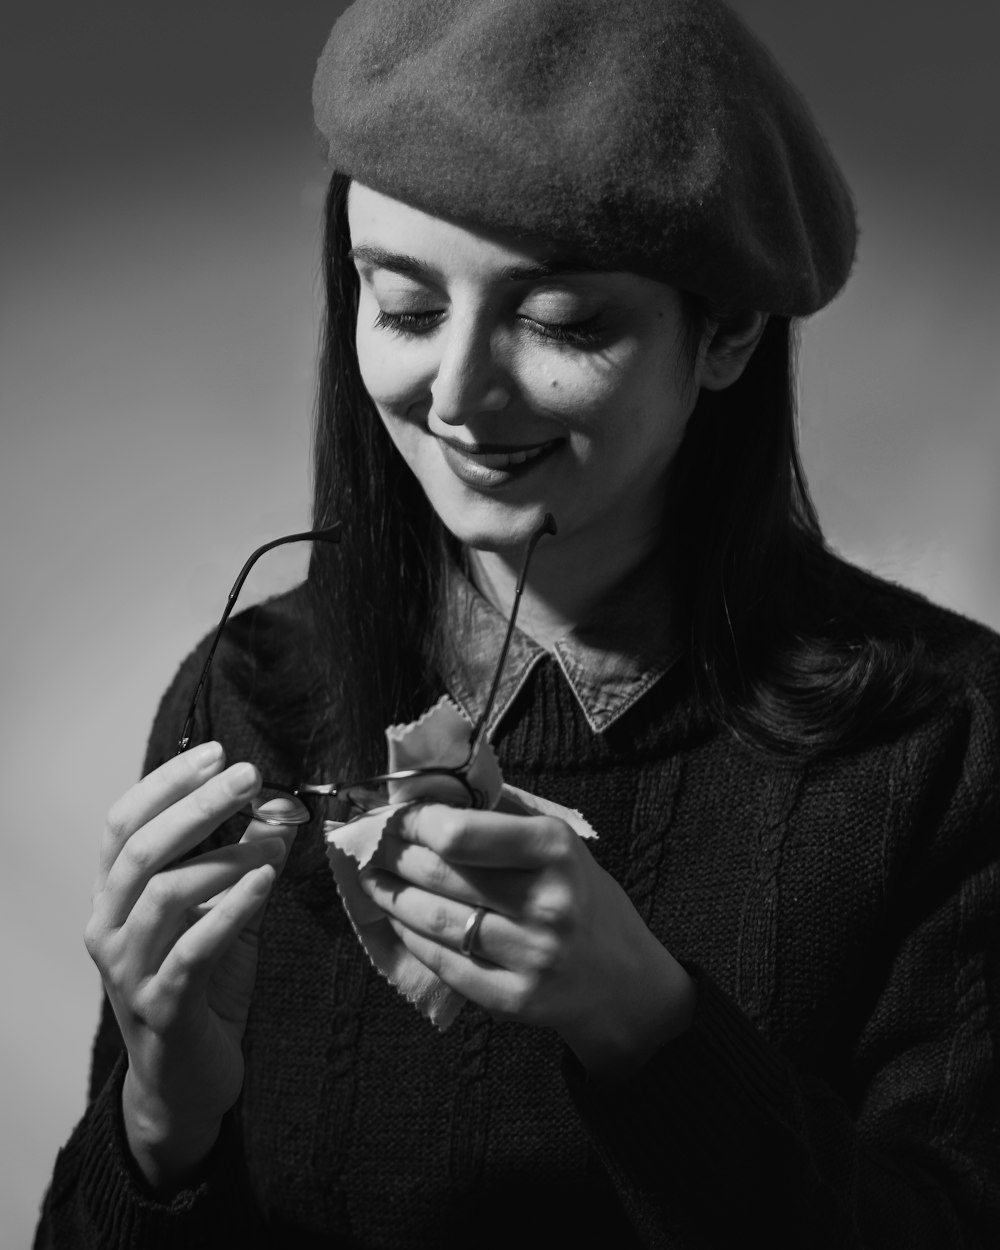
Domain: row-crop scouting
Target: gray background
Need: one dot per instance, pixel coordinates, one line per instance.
(158, 313)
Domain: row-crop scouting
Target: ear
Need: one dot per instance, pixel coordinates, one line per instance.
(728, 345)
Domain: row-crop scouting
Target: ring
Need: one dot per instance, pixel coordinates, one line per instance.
(471, 929)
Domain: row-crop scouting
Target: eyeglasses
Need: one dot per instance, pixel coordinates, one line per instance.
(303, 800)
(331, 534)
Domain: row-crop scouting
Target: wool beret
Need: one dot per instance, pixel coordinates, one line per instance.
(656, 136)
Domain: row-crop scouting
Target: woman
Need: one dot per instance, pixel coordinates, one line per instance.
(564, 243)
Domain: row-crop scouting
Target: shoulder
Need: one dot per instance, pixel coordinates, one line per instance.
(849, 660)
(943, 769)
(964, 653)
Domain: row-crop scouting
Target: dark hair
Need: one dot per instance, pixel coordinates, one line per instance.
(794, 650)
(788, 649)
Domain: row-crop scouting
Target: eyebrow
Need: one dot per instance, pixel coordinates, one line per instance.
(409, 266)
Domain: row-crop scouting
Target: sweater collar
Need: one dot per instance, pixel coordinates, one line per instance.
(609, 663)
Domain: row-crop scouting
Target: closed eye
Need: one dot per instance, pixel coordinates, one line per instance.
(406, 322)
(574, 333)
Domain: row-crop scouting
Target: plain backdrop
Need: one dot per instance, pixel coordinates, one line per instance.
(158, 318)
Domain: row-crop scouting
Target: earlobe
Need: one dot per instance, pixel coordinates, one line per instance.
(728, 347)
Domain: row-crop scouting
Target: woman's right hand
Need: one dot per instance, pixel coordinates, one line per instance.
(176, 945)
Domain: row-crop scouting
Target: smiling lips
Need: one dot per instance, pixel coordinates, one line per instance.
(504, 460)
(491, 456)
(493, 466)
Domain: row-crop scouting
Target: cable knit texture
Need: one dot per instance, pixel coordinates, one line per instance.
(838, 1087)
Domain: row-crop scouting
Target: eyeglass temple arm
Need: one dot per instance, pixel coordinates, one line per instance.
(331, 534)
(548, 526)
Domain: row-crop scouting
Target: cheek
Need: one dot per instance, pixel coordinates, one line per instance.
(383, 379)
(572, 390)
(636, 422)
(394, 374)
(602, 398)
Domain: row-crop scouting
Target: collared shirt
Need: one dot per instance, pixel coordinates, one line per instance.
(609, 662)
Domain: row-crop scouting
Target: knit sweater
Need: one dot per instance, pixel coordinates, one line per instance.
(838, 1087)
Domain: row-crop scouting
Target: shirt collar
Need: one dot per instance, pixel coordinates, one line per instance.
(609, 662)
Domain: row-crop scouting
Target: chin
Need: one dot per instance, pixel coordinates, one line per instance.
(488, 525)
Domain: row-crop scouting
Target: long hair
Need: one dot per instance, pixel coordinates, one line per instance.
(375, 596)
(787, 649)
(792, 649)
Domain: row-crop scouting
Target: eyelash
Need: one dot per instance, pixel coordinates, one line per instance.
(576, 334)
(405, 323)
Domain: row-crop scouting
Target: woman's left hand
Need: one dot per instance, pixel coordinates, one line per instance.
(559, 944)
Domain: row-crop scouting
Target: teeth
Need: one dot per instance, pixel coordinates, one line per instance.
(501, 461)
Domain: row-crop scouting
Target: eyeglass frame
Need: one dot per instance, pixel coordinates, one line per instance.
(327, 790)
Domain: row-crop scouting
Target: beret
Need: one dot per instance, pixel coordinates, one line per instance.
(656, 136)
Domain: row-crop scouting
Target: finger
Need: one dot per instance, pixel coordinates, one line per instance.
(189, 963)
(174, 898)
(497, 989)
(157, 791)
(487, 839)
(259, 832)
(176, 830)
(496, 938)
(504, 890)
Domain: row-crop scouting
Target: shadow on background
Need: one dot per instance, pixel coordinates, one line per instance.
(157, 326)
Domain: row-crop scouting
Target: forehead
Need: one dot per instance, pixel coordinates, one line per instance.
(389, 234)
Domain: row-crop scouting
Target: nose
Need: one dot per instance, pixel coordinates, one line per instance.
(469, 378)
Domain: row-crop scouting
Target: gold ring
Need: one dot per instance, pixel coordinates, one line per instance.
(471, 929)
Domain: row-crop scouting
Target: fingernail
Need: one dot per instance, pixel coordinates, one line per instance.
(243, 779)
(281, 806)
(208, 753)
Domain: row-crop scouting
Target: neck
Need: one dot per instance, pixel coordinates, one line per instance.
(567, 580)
